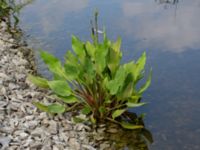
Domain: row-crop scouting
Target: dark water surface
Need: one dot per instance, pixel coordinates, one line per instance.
(168, 31)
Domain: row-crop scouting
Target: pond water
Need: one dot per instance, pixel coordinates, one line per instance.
(168, 30)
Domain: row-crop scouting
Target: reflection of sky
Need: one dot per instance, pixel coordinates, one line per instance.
(173, 29)
(52, 13)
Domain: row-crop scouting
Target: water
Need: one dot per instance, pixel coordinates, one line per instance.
(168, 32)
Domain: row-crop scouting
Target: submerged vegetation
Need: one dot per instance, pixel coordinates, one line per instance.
(93, 82)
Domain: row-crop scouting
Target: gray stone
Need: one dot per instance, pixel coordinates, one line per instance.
(4, 141)
(74, 144)
(38, 132)
(53, 128)
(88, 147)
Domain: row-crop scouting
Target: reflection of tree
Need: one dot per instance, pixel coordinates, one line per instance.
(167, 1)
(167, 4)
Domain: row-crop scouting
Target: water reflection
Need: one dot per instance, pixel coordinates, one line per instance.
(114, 137)
(158, 29)
(167, 1)
(52, 15)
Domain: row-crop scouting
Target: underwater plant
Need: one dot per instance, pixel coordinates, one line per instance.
(92, 81)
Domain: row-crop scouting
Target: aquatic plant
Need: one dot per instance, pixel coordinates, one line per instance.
(92, 81)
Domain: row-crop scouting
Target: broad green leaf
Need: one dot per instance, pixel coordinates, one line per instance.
(70, 58)
(129, 104)
(114, 56)
(146, 85)
(131, 126)
(100, 58)
(60, 87)
(113, 60)
(41, 106)
(88, 71)
(114, 85)
(127, 89)
(71, 71)
(52, 108)
(134, 98)
(117, 45)
(38, 81)
(53, 64)
(78, 120)
(140, 66)
(68, 99)
(78, 48)
(130, 67)
(118, 113)
(86, 110)
(90, 50)
(56, 108)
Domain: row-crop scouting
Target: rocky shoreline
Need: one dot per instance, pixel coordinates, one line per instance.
(22, 126)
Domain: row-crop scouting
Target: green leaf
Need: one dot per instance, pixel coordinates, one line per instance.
(71, 71)
(86, 110)
(90, 50)
(140, 66)
(56, 108)
(88, 71)
(78, 48)
(38, 81)
(114, 85)
(127, 89)
(118, 113)
(100, 58)
(146, 85)
(117, 45)
(131, 126)
(134, 99)
(52, 108)
(102, 109)
(78, 120)
(70, 58)
(129, 104)
(41, 106)
(60, 87)
(53, 64)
